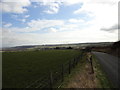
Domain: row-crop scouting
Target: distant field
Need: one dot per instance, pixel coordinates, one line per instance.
(19, 68)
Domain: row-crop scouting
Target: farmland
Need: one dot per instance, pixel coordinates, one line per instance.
(20, 68)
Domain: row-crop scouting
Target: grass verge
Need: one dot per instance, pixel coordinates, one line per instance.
(78, 68)
(99, 78)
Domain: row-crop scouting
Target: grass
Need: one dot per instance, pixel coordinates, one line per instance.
(78, 68)
(101, 79)
(100, 75)
(20, 68)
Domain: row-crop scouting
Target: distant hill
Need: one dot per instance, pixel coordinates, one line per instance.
(74, 45)
(17, 48)
(116, 45)
(113, 48)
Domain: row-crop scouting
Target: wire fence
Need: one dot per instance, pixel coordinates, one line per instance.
(54, 78)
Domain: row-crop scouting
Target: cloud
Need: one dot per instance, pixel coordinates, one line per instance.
(35, 6)
(72, 2)
(20, 18)
(36, 25)
(52, 7)
(40, 24)
(76, 20)
(69, 27)
(112, 28)
(26, 16)
(74, 36)
(66, 2)
(47, 26)
(23, 20)
(102, 13)
(7, 25)
(14, 16)
(53, 30)
(18, 6)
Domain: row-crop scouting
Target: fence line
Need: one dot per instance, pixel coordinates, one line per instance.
(56, 77)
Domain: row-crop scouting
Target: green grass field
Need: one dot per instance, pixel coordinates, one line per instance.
(20, 68)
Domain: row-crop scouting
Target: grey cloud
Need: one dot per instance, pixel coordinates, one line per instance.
(112, 28)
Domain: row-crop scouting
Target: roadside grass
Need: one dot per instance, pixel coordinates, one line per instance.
(21, 68)
(100, 78)
(100, 75)
(78, 68)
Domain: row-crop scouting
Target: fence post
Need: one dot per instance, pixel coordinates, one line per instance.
(73, 62)
(92, 71)
(69, 66)
(77, 59)
(62, 73)
(51, 80)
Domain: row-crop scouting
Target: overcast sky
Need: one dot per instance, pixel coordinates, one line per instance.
(37, 22)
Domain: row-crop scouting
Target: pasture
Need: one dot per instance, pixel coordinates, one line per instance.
(21, 68)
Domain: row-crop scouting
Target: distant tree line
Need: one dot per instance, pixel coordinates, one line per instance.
(63, 48)
(116, 46)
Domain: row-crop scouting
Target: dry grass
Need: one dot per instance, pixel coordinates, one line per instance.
(83, 78)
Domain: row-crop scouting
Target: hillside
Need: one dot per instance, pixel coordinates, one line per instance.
(63, 46)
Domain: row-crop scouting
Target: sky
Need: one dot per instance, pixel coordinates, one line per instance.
(40, 22)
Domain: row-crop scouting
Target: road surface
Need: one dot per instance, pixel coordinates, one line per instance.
(109, 64)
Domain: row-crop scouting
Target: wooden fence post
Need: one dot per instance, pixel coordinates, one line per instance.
(77, 60)
(92, 71)
(73, 62)
(69, 66)
(62, 73)
(51, 80)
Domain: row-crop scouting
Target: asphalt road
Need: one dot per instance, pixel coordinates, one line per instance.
(109, 65)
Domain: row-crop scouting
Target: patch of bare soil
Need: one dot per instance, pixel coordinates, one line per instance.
(83, 79)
